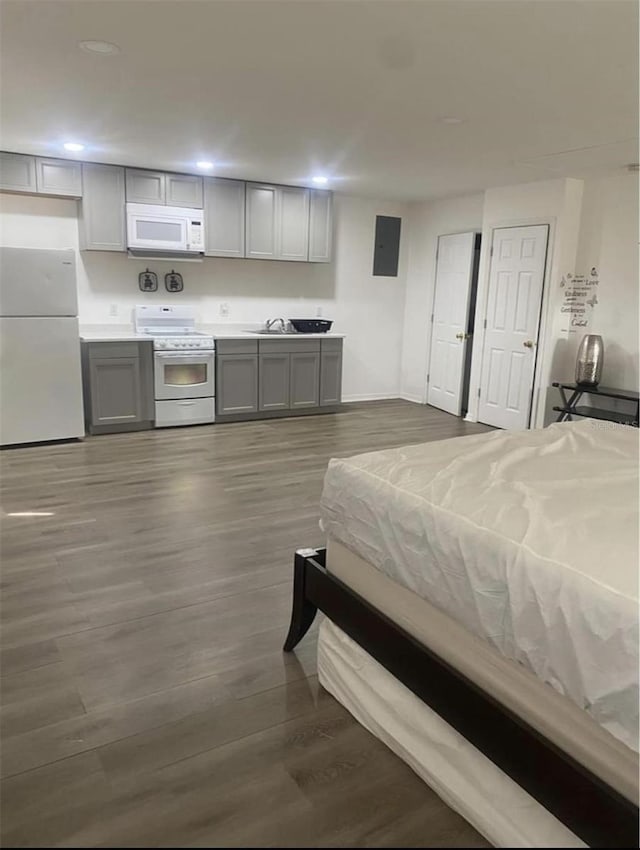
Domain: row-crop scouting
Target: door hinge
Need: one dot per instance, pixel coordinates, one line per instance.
(485, 324)
(437, 253)
(432, 318)
(428, 376)
(478, 392)
(491, 251)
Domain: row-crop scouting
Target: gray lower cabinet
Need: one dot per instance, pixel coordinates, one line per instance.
(101, 220)
(236, 381)
(277, 377)
(118, 386)
(331, 372)
(273, 392)
(304, 379)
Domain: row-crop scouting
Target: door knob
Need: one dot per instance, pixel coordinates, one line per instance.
(459, 336)
(529, 343)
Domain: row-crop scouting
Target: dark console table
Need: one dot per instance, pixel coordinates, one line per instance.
(572, 406)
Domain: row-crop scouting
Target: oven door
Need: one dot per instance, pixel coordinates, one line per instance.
(184, 375)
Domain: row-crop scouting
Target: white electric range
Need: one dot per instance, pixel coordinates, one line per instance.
(184, 365)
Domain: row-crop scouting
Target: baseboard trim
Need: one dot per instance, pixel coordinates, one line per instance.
(416, 399)
(366, 397)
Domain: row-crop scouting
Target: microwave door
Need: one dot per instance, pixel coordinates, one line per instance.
(157, 232)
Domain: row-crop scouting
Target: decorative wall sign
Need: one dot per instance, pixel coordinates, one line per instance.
(579, 298)
(173, 282)
(148, 281)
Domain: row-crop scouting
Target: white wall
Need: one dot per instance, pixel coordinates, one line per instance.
(369, 310)
(608, 240)
(427, 221)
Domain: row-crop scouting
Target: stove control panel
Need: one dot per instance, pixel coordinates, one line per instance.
(180, 343)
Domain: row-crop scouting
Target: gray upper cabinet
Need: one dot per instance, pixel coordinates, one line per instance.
(184, 190)
(59, 177)
(17, 172)
(330, 372)
(261, 221)
(277, 222)
(145, 187)
(274, 381)
(224, 214)
(156, 187)
(304, 380)
(320, 226)
(101, 221)
(293, 224)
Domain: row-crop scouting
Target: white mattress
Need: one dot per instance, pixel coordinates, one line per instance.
(527, 539)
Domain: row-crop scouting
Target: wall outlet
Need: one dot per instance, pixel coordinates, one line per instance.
(224, 309)
(113, 310)
(318, 312)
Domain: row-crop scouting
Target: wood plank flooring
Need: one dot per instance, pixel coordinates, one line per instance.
(145, 697)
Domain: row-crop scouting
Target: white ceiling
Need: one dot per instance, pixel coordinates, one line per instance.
(355, 89)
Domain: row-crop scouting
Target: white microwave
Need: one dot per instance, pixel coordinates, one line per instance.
(169, 230)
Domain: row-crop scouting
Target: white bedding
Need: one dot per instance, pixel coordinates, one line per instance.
(528, 539)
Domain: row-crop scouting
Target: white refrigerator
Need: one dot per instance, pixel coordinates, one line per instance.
(40, 374)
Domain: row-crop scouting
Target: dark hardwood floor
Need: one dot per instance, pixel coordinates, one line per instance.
(145, 697)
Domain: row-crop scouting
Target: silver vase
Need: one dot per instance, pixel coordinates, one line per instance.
(589, 361)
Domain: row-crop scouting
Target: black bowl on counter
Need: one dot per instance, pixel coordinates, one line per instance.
(311, 326)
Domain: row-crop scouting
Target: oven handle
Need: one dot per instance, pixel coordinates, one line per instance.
(175, 356)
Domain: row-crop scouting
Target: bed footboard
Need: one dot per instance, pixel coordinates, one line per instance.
(593, 810)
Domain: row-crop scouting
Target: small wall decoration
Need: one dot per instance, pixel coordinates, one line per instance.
(579, 298)
(148, 281)
(173, 282)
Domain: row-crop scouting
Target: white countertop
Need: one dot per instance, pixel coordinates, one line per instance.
(120, 334)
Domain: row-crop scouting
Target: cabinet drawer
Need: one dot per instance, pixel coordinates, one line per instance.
(331, 344)
(293, 346)
(236, 346)
(114, 349)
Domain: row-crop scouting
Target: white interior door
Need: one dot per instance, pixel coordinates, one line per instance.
(513, 316)
(454, 273)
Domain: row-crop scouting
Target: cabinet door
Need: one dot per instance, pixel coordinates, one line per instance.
(145, 187)
(17, 172)
(59, 177)
(236, 383)
(304, 380)
(320, 226)
(292, 232)
(115, 390)
(261, 221)
(274, 382)
(184, 190)
(224, 208)
(102, 211)
(330, 377)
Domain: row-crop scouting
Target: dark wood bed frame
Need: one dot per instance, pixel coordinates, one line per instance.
(593, 810)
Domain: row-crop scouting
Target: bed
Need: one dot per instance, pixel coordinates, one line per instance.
(481, 618)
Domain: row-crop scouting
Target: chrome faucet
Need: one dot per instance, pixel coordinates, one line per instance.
(272, 322)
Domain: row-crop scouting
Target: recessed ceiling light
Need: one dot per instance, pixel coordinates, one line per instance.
(74, 147)
(103, 48)
(320, 180)
(451, 119)
(204, 164)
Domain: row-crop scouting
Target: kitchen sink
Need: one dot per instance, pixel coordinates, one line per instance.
(271, 332)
